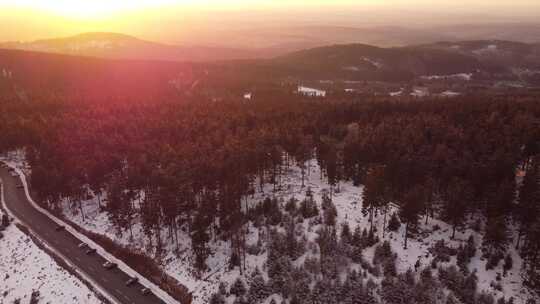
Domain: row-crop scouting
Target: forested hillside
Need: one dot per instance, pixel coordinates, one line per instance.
(188, 171)
(87, 79)
(495, 52)
(119, 46)
(364, 62)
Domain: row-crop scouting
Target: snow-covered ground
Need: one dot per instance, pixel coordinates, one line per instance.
(396, 93)
(26, 269)
(373, 62)
(449, 94)
(492, 48)
(348, 201)
(420, 92)
(462, 76)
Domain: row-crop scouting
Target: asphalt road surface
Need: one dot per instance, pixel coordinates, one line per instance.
(113, 281)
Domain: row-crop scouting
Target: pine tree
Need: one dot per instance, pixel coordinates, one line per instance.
(411, 208)
(470, 247)
(329, 210)
(291, 206)
(531, 252)
(200, 238)
(485, 298)
(238, 288)
(451, 299)
(295, 300)
(456, 196)
(357, 236)
(5, 220)
(508, 263)
(292, 243)
(374, 195)
(300, 281)
(217, 298)
(346, 236)
(394, 224)
(496, 235)
(241, 300)
(357, 244)
(529, 199)
(258, 289)
(308, 207)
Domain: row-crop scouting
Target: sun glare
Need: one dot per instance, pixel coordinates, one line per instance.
(89, 9)
(98, 9)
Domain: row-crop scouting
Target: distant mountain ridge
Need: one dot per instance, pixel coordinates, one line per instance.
(90, 78)
(120, 46)
(495, 52)
(298, 39)
(365, 62)
(503, 60)
(466, 60)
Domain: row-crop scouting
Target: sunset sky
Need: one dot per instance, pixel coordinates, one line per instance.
(169, 20)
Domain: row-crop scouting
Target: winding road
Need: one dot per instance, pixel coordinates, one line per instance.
(65, 245)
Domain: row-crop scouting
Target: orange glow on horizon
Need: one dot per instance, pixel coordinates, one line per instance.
(172, 20)
(95, 9)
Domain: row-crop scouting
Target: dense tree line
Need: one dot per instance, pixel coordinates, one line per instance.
(191, 164)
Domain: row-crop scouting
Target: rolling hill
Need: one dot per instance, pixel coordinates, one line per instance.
(363, 62)
(119, 46)
(485, 60)
(89, 78)
(493, 59)
(495, 52)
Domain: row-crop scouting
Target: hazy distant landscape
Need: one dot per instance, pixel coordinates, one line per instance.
(268, 42)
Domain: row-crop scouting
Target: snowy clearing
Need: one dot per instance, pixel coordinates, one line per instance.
(348, 201)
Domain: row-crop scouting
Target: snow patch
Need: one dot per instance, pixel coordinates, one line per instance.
(396, 93)
(373, 62)
(449, 94)
(420, 92)
(491, 48)
(462, 76)
(25, 269)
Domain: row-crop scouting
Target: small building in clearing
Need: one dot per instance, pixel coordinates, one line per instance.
(311, 92)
